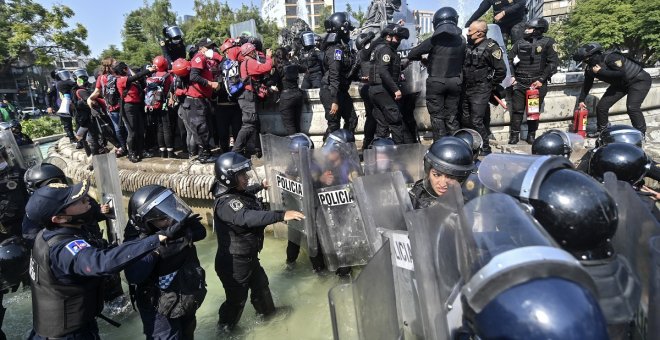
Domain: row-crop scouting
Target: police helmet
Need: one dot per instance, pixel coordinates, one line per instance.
(539, 24)
(381, 141)
(364, 39)
(300, 141)
(628, 162)
(542, 309)
(15, 126)
(395, 30)
(155, 202)
(228, 165)
(40, 175)
(14, 260)
(472, 138)
(80, 73)
(337, 137)
(338, 22)
(451, 156)
(577, 212)
(445, 15)
(173, 32)
(620, 133)
(586, 51)
(552, 142)
(308, 38)
(60, 74)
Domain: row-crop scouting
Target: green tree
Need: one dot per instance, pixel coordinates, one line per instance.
(33, 35)
(360, 15)
(326, 12)
(143, 30)
(624, 24)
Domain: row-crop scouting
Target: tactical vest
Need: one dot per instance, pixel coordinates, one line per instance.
(346, 64)
(13, 198)
(533, 57)
(393, 67)
(58, 308)
(475, 67)
(420, 197)
(234, 239)
(630, 67)
(312, 60)
(365, 62)
(445, 60)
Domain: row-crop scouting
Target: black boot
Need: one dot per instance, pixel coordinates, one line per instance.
(205, 156)
(163, 154)
(171, 154)
(133, 157)
(263, 302)
(531, 136)
(514, 137)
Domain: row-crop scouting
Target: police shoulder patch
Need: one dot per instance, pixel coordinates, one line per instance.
(236, 204)
(74, 247)
(619, 63)
(338, 54)
(386, 58)
(469, 185)
(497, 54)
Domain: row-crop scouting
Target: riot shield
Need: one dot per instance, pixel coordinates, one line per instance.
(382, 200)
(654, 298)
(373, 300)
(407, 158)
(290, 189)
(105, 127)
(244, 27)
(434, 233)
(635, 228)
(341, 233)
(15, 158)
(109, 191)
(31, 155)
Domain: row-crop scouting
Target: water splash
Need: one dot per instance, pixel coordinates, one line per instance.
(461, 13)
(303, 13)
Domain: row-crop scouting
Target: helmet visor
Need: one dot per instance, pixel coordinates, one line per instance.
(628, 136)
(64, 74)
(166, 206)
(308, 39)
(173, 32)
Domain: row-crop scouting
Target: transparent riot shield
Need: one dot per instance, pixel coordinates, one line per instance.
(382, 200)
(654, 298)
(248, 27)
(14, 155)
(373, 300)
(407, 158)
(290, 189)
(109, 190)
(341, 232)
(405, 285)
(635, 228)
(31, 155)
(434, 233)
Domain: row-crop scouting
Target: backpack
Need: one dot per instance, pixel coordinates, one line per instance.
(232, 78)
(110, 91)
(155, 94)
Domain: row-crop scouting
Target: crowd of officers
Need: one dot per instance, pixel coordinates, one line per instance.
(71, 264)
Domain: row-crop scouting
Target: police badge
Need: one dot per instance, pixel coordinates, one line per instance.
(386, 58)
(539, 49)
(618, 63)
(497, 54)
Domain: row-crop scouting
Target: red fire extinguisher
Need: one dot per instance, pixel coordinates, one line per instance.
(580, 121)
(533, 103)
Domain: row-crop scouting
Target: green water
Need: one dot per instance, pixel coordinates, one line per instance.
(300, 288)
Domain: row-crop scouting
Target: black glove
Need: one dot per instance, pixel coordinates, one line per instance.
(176, 230)
(173, 247)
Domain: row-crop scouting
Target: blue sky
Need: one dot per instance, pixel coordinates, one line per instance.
(104, 20)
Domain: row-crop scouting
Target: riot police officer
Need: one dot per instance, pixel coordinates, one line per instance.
(240, 222)
(311, 58)
(384, 77)
(172, 45)
(552, 142)
(508, 15)
(17, 130)
(448, 162)
(66, 267)
(365, 44)
(483, 69)
(337, 62)
(533, 60)
(446, 50)
(172, 272)
(625, 76)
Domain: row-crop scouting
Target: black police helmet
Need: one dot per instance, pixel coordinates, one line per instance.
(539, 24)
(172, 32)
(14, 260)
(300, 141)
(381, 141)
(586, 51)
(628, 162)
(552, 142)
(42, 174)
(80, 73)
(139, 198)
(577, 212)
(445, 15)
(342, 136)
(450, 156)
(228, 165)
(541, 309)
(395, 30)
(472, 138)
(339, 23)
(620, 133)
(363, 39)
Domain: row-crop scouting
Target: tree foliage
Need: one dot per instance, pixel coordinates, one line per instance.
(34, 35)
(326, 12)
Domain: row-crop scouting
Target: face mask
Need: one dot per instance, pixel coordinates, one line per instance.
(176, 41)
(84, 218)
(209, 53)
(3, 165)
(394, 44)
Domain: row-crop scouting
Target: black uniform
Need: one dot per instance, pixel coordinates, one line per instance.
(512, 24)
(291, 97)
(537, 60)
(384, 77)
(363, 65)
(171, 273)
(53, 96)
(483, 69)
(421, 196)
(337, 63)
(172, 51)
(625, 77)
(443, 85)
(312, 60)
(240, 222)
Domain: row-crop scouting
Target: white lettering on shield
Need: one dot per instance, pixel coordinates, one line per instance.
(337, 197)
(402, 251)
(289, 185)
